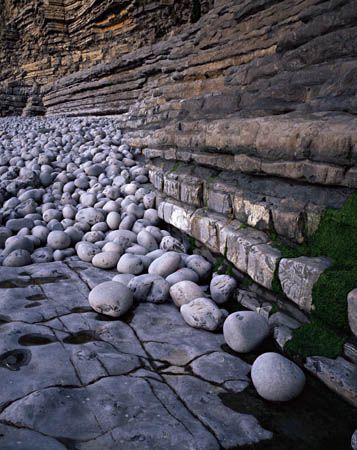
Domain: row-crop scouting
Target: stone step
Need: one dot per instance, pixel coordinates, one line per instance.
(292, 210)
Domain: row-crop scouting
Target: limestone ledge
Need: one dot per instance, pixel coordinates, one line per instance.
(293, 211)
(248, 249)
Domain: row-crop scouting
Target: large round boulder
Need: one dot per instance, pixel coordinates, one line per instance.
(244, 330)
(111, 298)
(276, 378)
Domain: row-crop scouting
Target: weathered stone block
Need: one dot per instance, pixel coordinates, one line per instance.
(239, 245)
(177, 215)
(297, 277)
(262, 262)
(219, 201)
(172, 186)
(338, 374)
(204, 227)
(352, 310)
(191, 191)
(156, 177)
(253, 213)
(289, 224)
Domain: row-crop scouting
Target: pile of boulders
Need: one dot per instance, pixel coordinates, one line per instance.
(71, 188)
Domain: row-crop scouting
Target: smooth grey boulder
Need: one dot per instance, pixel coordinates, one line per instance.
(111, 298)
(202, 313)
(5, 233)
(123, 278)
(165, 265)
(17, 258)
(129, 263)
(113, 220)
(87, 250)
(124, 237)
(42, 255)
(106, 260)
(181, 275)
(18, 242)
(90, 216)
(16, 224)
(222, 288)
(147, 240)
(244, 330)
(169, 243)
(152, 216)
(184, 292)
(58, 240)
(200, 265)
(276, 378)
(150, 288)
(137, 249)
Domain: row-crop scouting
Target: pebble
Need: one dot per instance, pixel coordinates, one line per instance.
(17, 258)
(87, 250)
(276, 378)
(181, 275)
(184, 292)
(222, 288)
(147, 240)
(165, 265)
(202, 313)
(129, 263)
(111, 298)
(106, 260)
(58, 240)
(123, 278)
(150, 288)
(245, 330)
(170, 243)
(200, 265)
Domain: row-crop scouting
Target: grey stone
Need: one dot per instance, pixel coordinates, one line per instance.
(147, 240)
(276, 378)
(150, 288)
(244, 330)
(90, 216)
(169, 243)
(18, 243)
(297, 277)
(222, 368)
(165, 265)
(279, 318)
(58, 240)
(42, 255)
(200, 265)
(16, 224)
(231, 428)
(123, 278)
(129, 263)
(222, 288)
(184, 292)
(338, 374)
(106, 260)
(282, 335)
(354, 440)
(202, 313)
(113, 220)
(352, 310)
(137, 249)
(111, 298)
(87, 250)
(18, 257)
(181, 275)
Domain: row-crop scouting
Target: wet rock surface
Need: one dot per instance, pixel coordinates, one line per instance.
(73, 378)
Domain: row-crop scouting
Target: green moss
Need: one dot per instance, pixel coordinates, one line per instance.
(174, 167)
(315, 339)
(192, 244)
(274, 309)
(336, 238)
(230, 269)
(246, 282)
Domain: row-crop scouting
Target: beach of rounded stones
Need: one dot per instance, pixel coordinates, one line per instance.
(70, 188)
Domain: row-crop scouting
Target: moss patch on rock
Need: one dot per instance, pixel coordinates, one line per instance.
(336, 238)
